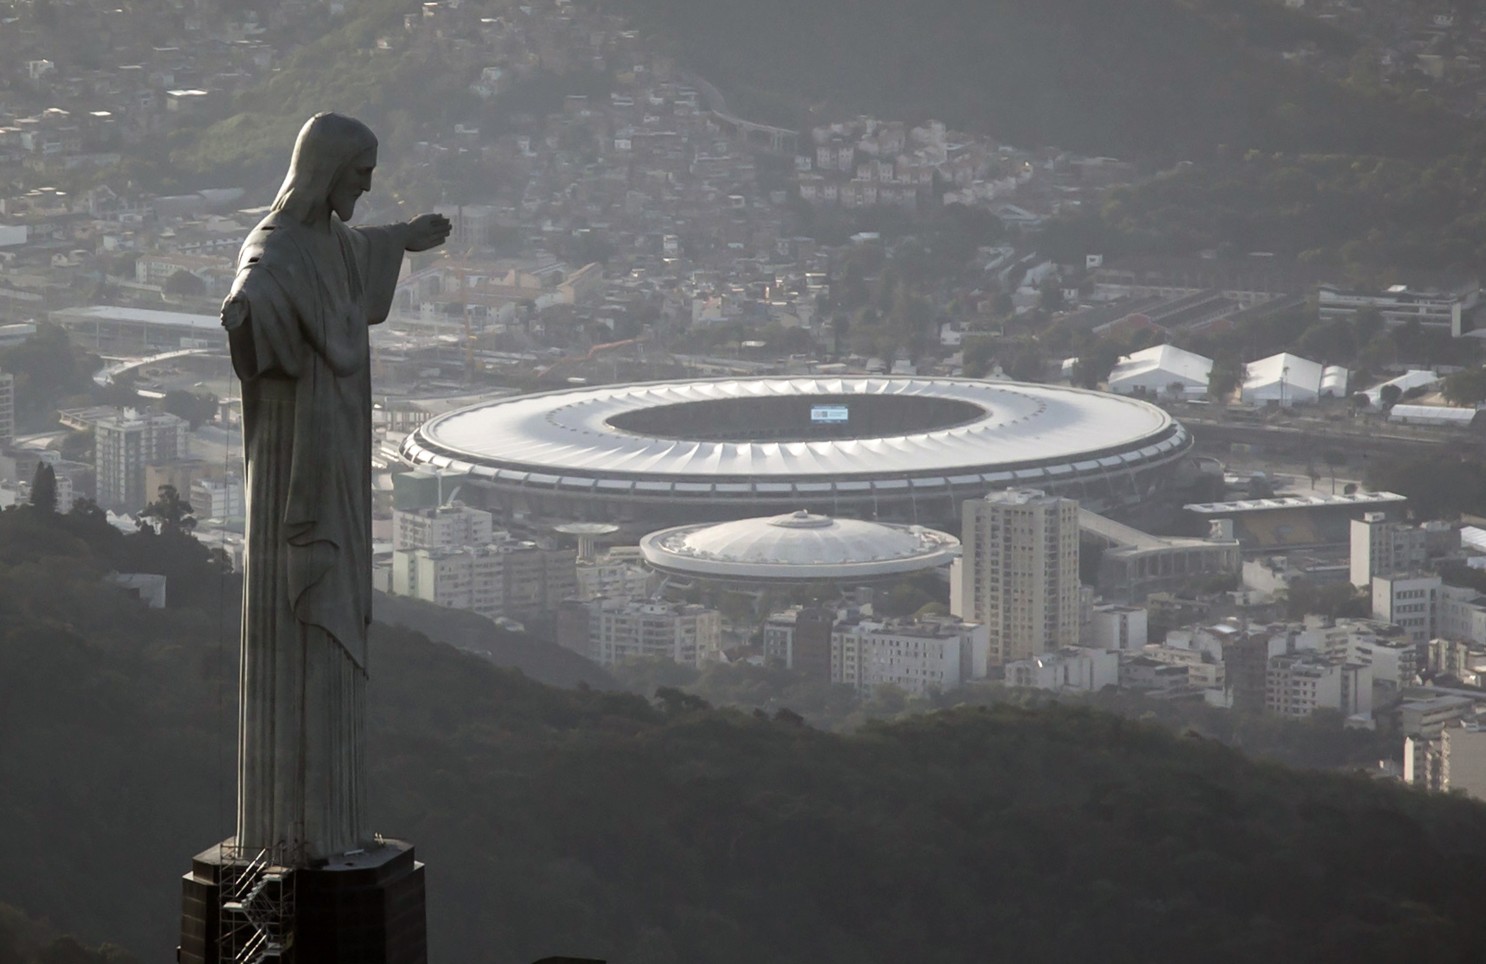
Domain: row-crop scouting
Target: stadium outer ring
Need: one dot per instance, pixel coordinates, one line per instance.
(556, 455)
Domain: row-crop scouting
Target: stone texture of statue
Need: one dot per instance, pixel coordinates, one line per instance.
(307, 288)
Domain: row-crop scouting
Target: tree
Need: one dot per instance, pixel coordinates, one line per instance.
(173, 513)
(1332, 600)
(1095, 363)
(44, 488)
(1224, 379)
(1467, 388)
(184, 284)
(47, 368)
(1389, 395)
(190, 406)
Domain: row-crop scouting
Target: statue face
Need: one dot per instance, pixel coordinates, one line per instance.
(354, 180)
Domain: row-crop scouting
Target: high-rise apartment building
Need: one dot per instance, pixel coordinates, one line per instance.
(1018, 575)
(513, 579)
(800, 639)
(609, 631)
(7, 409)
(466, 577)
(124, 444)
(916, 655)
(1383, 548)
(1410, 600)
(443, 527)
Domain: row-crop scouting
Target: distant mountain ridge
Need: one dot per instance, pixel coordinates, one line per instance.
(1163, 80)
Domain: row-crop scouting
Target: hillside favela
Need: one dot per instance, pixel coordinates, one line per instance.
(702, 482)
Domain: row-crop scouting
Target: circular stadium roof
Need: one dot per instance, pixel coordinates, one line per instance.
(783, 438)
(797, 546)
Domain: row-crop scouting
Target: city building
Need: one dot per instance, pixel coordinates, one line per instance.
(799, 638)
(1112, 626)
(1464, 750)
(609, 631)
(1018, 574)
(1428, 717)
(1449, 307)
(1462, 659)
(1142, 672)
(1460, 613)
(1246, 671)
(7, 409)
(127, 442)
(1383, 548)
(1408, 600)
(442, 527)
(916, 655)
(466, 577)
(536, 578)
(217, 499)
(114, 330)
(514, 579)
(1067, 670)
(1134, 564)
(618, 572)
(1298, 684)
(1203, 671)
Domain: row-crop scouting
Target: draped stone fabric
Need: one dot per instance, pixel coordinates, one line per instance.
(301, 350)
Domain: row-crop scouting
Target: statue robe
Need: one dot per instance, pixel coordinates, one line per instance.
(303, 356)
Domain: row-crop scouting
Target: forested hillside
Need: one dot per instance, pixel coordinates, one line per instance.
(609, 825)
(1161, 80)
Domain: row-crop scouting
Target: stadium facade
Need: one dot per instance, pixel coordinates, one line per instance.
(893, 449)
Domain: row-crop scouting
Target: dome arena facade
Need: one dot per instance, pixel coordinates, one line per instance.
(797, 547)
(895, 449)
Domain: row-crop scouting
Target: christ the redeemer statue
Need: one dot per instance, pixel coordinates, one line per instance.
(307, 288)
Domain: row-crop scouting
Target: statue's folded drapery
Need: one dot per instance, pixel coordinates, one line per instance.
(302, 353)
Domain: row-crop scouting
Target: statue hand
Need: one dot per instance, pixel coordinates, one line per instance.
(427, 231)
(234, 312)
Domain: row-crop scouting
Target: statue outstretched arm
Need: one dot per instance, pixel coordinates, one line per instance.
(427, 231)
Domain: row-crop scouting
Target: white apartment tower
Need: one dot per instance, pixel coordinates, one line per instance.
(1019, 572)
(610, 631)
(915, 655)
(1383, 548)
(124, 444)
(7, 409)
(445, 527)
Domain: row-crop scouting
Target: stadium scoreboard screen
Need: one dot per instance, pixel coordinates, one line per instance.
(828, 414)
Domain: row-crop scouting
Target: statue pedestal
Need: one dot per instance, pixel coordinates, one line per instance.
(365, 907)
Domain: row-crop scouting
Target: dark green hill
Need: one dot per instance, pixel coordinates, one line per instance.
(474, 633)
(1155, 79)
(597, 823)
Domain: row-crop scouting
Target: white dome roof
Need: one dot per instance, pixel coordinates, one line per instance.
(798, 545)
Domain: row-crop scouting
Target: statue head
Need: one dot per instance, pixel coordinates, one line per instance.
(332, 164)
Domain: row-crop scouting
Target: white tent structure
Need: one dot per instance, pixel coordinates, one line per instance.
(1431, 415)
(1155, 369)
(1409, 380)
(1285, 379)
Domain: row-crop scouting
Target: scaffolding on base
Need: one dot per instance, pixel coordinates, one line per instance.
(256, 924)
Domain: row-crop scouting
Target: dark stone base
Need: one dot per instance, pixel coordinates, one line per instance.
(365, 908)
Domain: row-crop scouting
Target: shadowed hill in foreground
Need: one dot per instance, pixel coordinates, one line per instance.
(607, 825)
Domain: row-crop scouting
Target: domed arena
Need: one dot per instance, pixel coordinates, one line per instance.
(797, 547)
(897, 449)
